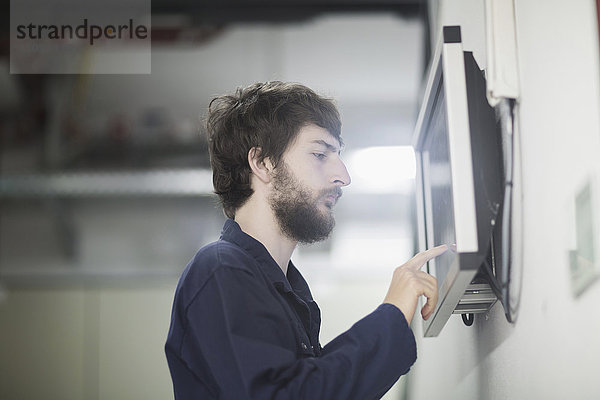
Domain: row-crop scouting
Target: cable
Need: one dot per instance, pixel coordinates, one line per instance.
(468, 319)
(506, 108)
(497, 287)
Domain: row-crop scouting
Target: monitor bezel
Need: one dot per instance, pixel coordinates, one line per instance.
(447, 72)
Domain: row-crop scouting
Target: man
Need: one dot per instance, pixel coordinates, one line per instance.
(244, 324)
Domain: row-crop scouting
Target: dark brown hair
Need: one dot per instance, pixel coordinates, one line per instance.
(265, 115)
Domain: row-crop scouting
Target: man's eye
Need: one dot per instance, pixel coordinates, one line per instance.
(319, 156)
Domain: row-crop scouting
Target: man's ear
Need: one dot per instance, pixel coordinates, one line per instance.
(262, 169)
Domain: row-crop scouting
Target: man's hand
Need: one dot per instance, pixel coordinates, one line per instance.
(409, 282)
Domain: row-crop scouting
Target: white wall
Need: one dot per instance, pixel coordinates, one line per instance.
(552, 350)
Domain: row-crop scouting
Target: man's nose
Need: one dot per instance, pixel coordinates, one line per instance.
(341, 176)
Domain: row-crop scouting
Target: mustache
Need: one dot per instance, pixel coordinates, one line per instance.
(336, 191)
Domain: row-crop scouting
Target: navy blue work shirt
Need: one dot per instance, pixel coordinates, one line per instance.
(240, 329)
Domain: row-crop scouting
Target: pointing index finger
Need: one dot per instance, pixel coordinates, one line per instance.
(420, 259)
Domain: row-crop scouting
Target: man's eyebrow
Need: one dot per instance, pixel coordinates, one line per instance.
(329, 146)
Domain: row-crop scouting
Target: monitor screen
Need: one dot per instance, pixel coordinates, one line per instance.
(436, 167)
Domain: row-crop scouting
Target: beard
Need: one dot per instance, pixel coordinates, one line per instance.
(296, 208)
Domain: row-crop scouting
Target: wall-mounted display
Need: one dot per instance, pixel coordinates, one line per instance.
(460, 184)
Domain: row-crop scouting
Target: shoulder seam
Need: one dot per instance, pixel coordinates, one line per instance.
(210, 276)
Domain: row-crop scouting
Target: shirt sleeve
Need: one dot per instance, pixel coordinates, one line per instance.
(239, 333)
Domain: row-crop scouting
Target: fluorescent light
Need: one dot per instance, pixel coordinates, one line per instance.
(383, 169)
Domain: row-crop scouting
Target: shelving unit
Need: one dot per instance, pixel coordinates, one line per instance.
(166, 182)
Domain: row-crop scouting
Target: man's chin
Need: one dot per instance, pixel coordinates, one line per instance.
(317, 229)
(328, 205)
(326, 212)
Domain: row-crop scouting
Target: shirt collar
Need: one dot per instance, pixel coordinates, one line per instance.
(293, 282)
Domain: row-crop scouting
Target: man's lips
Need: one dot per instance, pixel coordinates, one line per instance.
(334, 196)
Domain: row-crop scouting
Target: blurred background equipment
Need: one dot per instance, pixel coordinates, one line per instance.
(106, 190)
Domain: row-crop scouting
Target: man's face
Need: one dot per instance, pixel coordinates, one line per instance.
(307, 184)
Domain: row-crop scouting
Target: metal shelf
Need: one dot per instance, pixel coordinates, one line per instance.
(171, 182)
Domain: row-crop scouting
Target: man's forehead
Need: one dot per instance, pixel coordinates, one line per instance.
(313, 134)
